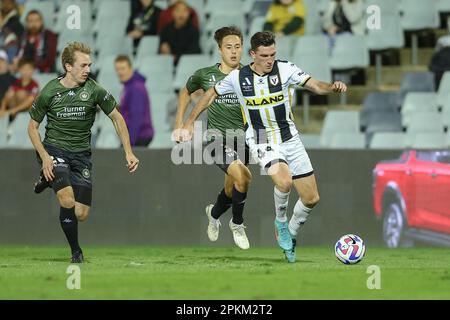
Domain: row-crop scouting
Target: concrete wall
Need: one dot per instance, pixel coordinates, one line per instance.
(164, 204)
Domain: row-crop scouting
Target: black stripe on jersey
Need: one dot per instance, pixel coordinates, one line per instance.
(258, 126)
(283, 124)
(274, 79)
(246, 81)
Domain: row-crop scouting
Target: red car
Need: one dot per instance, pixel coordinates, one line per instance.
(412, 197)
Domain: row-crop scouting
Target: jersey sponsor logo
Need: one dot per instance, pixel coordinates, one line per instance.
(274, 80)
(264, 101)
(72, 113)
(84, 95)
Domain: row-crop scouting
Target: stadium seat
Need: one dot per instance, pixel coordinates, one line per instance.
(112, 12)
(187, 65)
(444, 89)
(386, 121)
(148, 46)
(107, 138)
(159, 112)
(389, 36)
(86, 16)
(44, 78)
(446, 111)
(378, 102)
(338, 122)
(285, 47)
(310, 45)
(219, 19)
(19, 138)
(388, 140)
(112, 45)
(259, 9)
(313, 21)
(67, 36)
(418, 102)
(386, 6)
(416, 82)
(419, 15)
(346, 140)
(233, 7)
(256, 25)
(46, 8)
(443, 5)
(425, 122)
(350, 51)
(428, 140)
(158, 71)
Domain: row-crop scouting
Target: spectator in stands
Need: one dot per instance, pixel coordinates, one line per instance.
(21, 94)
(134, 103)
(6, 78)
(180, 36)
(38, 44)
(166, 16)
(345, 16)
(440, 61)
(143, 20)
(11, 30)
(286, 17)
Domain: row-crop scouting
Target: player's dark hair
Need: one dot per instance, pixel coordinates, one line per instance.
(68, 55)
(25, 61)
(122, 58)
(34, 11)
(264, 39)
(223, 32)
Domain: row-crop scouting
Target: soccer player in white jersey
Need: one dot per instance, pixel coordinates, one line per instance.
(264, 90)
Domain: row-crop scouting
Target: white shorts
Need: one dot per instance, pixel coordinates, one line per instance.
(292, 152)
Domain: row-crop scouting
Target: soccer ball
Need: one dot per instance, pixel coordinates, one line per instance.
(350, 249)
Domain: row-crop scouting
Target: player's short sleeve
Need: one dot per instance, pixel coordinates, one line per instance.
(105, 100)
(296, 76)
(225, 85)
(39, 107)
(194, 82)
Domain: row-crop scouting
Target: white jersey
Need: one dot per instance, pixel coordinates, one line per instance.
(266, 101)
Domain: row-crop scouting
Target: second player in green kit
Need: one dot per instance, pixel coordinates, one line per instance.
(225, 116)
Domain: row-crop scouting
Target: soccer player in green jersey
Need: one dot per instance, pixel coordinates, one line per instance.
(224, 114)
(70, 104)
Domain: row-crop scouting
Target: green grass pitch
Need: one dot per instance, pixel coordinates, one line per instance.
(222, 273)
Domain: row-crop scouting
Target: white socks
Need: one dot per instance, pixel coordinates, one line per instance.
(299, 217)
(281, 204)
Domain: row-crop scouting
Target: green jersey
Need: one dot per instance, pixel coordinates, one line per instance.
(70, 113)
(225, 112)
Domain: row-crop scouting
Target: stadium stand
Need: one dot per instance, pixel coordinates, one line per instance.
(372, 105)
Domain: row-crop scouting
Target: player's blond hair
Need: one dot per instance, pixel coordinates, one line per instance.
(68, 55)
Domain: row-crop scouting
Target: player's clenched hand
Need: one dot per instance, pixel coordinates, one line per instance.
(339, 86)
(132, 162)
(181, 135)
(47, 168)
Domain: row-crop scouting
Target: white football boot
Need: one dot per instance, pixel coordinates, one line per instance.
(213, 225)
(239, 236)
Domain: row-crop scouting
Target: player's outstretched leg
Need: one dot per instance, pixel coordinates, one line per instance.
(281, 176)
(309, 197)
(241, 177)
(69, 222)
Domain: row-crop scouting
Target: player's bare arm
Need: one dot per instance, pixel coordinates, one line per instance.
(122, 132)
(47, 161)
(183, 101)
(322, 88)
(206, 100)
